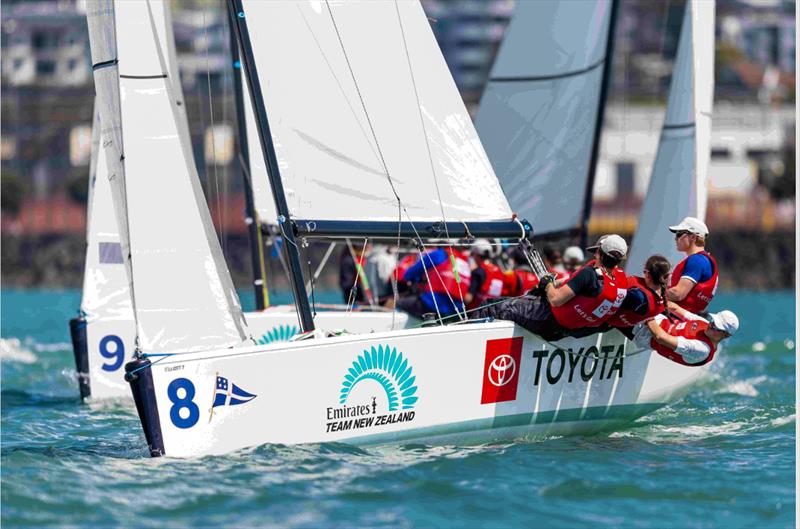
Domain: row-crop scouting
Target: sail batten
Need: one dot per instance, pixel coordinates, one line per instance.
(677, 186)
(184, 298)
(538, 113)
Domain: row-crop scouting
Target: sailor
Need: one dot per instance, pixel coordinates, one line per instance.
(590, 297)
(689, 343)
(694, 280)
(520, 279)
(350, 282)
(486, 281)
(554, 263)
(646, 294)
(444, 275)
(573, 258)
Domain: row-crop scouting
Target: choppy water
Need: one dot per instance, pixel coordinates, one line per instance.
(724, 456)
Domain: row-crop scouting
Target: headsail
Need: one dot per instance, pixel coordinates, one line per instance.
(364, 113)
(538, 114)
(678, 183)
(105, 285)
(184, 298)
(259, 180)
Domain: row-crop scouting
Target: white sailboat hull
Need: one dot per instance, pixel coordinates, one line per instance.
(104, 337)
(468, 383)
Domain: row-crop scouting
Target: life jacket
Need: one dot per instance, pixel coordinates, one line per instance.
(518, 282)
(559, 274)
(445, 282)
(628, 318)
(585, 311)
(702, 293)
(492, 286)
(691, 330)
(402, 266)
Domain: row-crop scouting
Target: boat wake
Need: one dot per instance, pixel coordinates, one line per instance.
(12, 350)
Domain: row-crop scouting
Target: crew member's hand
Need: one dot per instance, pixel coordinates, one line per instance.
(541, 288)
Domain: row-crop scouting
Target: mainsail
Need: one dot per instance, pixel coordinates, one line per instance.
(184, 298)
(678, 183)
(362, 115)
(538, 115)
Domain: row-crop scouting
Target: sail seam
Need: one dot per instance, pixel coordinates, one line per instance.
(679, 126)
(161, 76)
(514, 78)
(104, 64)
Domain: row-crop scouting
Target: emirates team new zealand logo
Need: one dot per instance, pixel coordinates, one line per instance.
(390, 369)
(281, 333)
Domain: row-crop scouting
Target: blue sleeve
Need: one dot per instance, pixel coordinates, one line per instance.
(636, 301)
(698, 268)
(416, 273)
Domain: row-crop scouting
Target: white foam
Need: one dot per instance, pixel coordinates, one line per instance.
(759, 346)
(789, 344)
(11, 350)
(780, 421)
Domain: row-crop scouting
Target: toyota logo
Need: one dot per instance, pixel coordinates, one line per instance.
(502, 370)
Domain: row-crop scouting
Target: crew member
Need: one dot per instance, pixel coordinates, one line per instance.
(577, 308)
(520, 279)
(554, 263)
(573, 259)
(646, 294)
(690, 343)
(445, 277)
(486, 281)
(694, 280)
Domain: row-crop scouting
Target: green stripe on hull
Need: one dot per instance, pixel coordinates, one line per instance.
(617, 414)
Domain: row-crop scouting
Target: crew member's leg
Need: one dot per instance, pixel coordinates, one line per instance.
(414, 306)
(529, 312)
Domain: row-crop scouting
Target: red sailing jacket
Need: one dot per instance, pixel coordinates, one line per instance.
(702, 293)
(404, 264)
(584, 311)
(518, 282)
(444, 282)
(492, 286)
(628, 318)
(691, 330)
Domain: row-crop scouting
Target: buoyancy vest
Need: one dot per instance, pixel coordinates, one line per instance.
(628, 318)
(585, 311)
(702, 293)
(559, 274)
(402, 266)
(492, 286)
(691, 330)
(443, 279)
(518, 282)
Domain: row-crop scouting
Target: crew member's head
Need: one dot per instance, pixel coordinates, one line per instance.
(552, 257)
(723, 324)
(656, 273)
(573, 258)
(482, 249)
(609, 251)
(690, 232)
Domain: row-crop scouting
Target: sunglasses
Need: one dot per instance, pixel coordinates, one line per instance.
(680, 234)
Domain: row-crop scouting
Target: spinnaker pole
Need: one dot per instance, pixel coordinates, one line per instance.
(598, 126)
(290, 249)
(257, 260)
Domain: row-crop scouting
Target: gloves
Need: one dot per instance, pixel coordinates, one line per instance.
(542, 286)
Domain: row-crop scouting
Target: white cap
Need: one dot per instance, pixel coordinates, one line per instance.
(691, 225)
(726, 321)
(612, 245)
(573, 253)
(482, 247)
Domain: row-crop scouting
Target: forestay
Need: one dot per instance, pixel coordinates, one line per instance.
(538, 113)
(105, 285)
(678, 183)
(364, 113)
(184, 298)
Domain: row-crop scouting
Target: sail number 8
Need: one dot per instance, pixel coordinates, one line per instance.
(184, 413)
(111, 347)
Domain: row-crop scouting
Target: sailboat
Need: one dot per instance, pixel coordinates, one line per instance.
(678, 183)
(541, 114)
(369, 136)
(104, 334)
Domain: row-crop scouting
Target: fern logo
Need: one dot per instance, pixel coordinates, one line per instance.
(280, 333)
(390, 369)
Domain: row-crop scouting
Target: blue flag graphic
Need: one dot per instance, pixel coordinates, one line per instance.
(229, 394)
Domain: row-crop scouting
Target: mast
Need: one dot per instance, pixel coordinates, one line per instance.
(598, 126)
(251, 219)
(291, 250)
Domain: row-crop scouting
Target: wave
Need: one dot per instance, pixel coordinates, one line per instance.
(12, 350)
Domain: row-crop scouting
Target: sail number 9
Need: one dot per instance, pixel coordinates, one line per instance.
(111, 347)
(182, 400)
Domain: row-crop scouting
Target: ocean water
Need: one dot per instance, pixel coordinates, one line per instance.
(722, 457)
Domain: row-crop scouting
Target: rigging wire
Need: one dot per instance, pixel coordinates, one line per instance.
(218, 199)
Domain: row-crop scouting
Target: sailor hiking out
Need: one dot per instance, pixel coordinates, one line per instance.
(693, 342)
(646, 294)
(694, 280)
(578, 307)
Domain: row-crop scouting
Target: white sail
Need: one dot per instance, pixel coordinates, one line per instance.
(678, 183)
(537, 115)
(259, 178)
(184, 300)
(361, 111)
